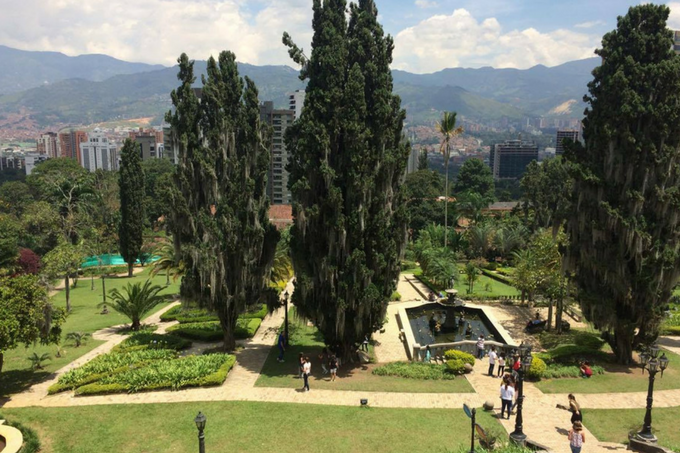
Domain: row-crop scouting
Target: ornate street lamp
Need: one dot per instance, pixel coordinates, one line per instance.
(200, 424)
(285, 304)
(653, 364)
(525, 358)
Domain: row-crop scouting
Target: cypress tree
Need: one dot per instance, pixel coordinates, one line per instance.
(347, 164)
(220, 211)
(624, 247)
(131, 185)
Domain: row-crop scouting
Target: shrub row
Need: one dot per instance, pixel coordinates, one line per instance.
(670, 330)
(153, 341)
(192, 315)
(414, 370)
(260, 312)
(190, 371)
(106, 365)
(567, 371)
(571, 354)
(212, 331)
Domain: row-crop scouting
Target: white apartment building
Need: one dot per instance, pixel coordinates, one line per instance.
(296, 101)
(98, 152)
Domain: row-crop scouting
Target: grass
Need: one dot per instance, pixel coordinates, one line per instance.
(618, 378)
(613, 425)
(484, 286)
(357, 377)
(16, 375)
(247, 427)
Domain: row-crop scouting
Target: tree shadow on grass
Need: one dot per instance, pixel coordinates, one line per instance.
(17, 381)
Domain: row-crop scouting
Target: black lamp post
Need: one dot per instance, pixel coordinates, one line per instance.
(525, 358)
(200, 424)
(285, 304)
(653, 365)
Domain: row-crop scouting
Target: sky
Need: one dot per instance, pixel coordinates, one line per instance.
(430, 35)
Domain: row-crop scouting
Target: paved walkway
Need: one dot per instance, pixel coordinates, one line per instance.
(542, 420)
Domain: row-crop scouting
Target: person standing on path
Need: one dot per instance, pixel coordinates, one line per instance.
(333, 364)
(282, 345)
(507, 395)
(306, 370)
(576, 437)
(480, 347)
(301, 365)
(492, 360)
(501, 364)
(323, 357)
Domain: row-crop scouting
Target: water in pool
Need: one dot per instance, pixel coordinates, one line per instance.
(447, 324)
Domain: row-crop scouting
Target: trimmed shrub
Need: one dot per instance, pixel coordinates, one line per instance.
(405, 265)
(569, 371)
(454, 354)
(414, 370)
(455, 366)
(395, 296)
(670, 330)
(246, 328)
(212, 330)
(536, 369)
(588, 341)
(491, 266)
(153, 341)
(259, 312)
(571, 355)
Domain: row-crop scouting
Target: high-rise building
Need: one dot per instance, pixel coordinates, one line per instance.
(561, 135)
(280, 120)
(33, 159)
(48, 144)
(150, 143)
(99, 152)
(296, 101)
(11, 162)
(509, 160)
(170, 146)
(70, 144)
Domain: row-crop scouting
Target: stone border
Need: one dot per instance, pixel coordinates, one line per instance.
(13, 438)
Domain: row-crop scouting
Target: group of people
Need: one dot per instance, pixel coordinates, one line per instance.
(500, 360)
(329, 364)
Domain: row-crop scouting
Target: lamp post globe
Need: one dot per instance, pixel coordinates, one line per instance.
(200, 424)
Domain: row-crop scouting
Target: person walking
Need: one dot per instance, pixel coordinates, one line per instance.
(306, 370)
(492, 360)
(364, 344)
(507, 395)
(333, 365)
(501, 364)
(282, 345)
(576, 437)
(574, 408)
(301, 365)
(480, 347)
(323, 357)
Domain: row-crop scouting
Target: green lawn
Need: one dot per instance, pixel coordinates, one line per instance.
(613, 425)
(308, 340)
(617, 378)
(247, 427)
(85, 316)
(484, 286)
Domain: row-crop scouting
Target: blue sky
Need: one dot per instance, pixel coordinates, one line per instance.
(429, 34)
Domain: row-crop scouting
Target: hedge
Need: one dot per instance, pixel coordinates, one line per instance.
(670, 330)
(189, 371)
(260, 313)
(186, 315)
(414, 370)
(571, 354)
(455, 366)
(570, 371)
(153, 341)
(212, 330)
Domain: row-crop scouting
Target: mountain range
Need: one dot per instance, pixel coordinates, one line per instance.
(52, 88)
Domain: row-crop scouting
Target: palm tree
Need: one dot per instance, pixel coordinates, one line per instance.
(78, 338)
(480, 238)
(508, 239)
(167, 262)
(136, 301)
(447, 127)
(37, 360)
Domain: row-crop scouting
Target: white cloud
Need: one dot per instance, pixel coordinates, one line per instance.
(591, 24)
(458, 39)
(157, 31)
(674, 18)
(426, 4)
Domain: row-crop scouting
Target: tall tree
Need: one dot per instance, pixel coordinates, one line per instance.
(422, 160)
(546, 189)
(14, 197)
(220, 210)
(422, 190)
(348, 158)
(447, 128)
(26, 316)
(475, 177)
(10, 229)
(131, 184)
(156, 172)
(63, 262)
(624, 228)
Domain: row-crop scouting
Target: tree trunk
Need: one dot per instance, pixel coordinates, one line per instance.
(92, 283)
(523, 296)
(623, 344)
(548, 324)
(2, 360)
(67, 282)
(103, 288)
(136, 324)
(130, 269)
(558, 314)
(167, 277)
(229, 340)
(446, 196)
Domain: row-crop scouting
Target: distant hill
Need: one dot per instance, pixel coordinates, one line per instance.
(109, 89)
(22, 70)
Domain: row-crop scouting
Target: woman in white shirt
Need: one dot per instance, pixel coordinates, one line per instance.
(507, 395)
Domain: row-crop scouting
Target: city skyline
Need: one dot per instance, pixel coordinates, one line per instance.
(430, 35)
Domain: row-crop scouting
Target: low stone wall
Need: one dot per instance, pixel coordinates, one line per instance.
(13, 438)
